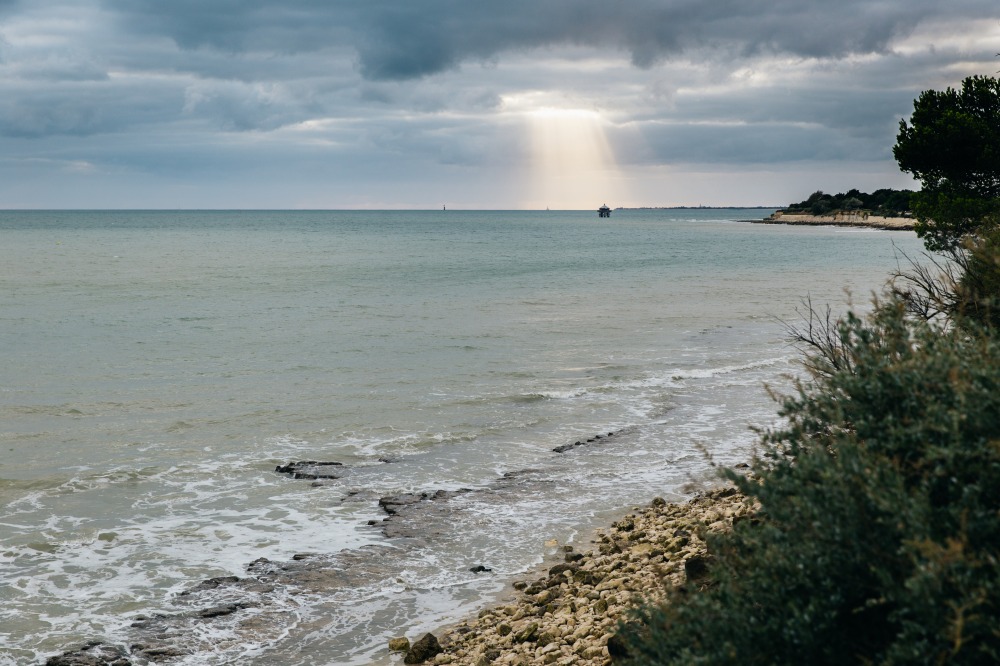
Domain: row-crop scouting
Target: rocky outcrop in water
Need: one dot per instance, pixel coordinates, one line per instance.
(310, 469)
(92, 654)
(580, 442)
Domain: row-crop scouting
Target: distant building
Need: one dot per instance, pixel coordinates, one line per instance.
(604, 211)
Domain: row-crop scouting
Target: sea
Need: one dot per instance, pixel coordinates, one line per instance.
(158, 366)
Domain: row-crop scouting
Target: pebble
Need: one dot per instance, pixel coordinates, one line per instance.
(568, 615)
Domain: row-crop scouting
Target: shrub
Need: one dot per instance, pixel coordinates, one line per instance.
(877, 537)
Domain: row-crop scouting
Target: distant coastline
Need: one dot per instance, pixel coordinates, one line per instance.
(698, 208)
(841, 219)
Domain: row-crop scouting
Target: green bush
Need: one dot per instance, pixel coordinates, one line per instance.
(978, 287)
(878, 536)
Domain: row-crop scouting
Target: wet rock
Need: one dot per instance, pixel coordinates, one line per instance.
(212, 584)
(424, 649)
(92, 654)
(560, 568)
(309, 469)
(480, 569)
(219, 611)
(401, 644)
(161, 653)
(567, 447)
(420, 515)
(391, 505)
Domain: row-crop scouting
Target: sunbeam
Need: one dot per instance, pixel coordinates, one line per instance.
(572, 163)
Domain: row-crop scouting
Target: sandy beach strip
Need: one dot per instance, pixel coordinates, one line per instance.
(841, 220)
(568, 614)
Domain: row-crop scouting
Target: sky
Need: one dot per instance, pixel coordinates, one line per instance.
(512, 104)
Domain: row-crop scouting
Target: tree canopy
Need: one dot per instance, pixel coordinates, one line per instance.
(886, 202)
(952, 145)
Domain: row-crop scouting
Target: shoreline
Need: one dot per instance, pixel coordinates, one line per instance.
(863, 220)
(568, 613)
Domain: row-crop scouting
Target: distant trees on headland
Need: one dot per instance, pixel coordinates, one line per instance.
(887, 202)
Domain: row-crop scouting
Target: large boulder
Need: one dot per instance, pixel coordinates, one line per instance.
(424, 649)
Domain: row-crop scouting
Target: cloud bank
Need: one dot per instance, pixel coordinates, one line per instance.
(397, 103)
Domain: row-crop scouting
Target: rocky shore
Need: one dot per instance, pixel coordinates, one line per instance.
(569, 614)
(841, 220)
(566, 613)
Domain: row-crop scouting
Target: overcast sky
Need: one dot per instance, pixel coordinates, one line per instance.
(466, 103)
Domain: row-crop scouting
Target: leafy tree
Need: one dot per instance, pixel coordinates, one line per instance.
(952, 145)
(883, 202)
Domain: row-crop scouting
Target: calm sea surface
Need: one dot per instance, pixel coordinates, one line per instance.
(157, 366)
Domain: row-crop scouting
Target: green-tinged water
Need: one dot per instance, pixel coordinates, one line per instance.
(157, 366)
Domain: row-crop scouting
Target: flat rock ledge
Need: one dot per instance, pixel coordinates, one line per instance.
(569, 615)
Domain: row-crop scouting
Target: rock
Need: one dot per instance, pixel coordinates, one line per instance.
(307, 469)
(617, 648)
(424, 649)
(162, 652)
(219, 611)
(530, 633)
(696, 567)
(480, 569)
(92, 654)
(560, 568)
(212, 583)
(569, 616)
(488, 657)
(401, 644)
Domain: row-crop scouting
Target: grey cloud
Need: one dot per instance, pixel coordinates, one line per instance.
(28, 111)
(403, 39)
(769, 143)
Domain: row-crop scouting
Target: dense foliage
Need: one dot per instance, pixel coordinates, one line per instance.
(952, 145)
(877, 535)
(886, 202)
(877, 540)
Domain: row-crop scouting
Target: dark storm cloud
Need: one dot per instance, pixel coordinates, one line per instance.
(407, 39)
